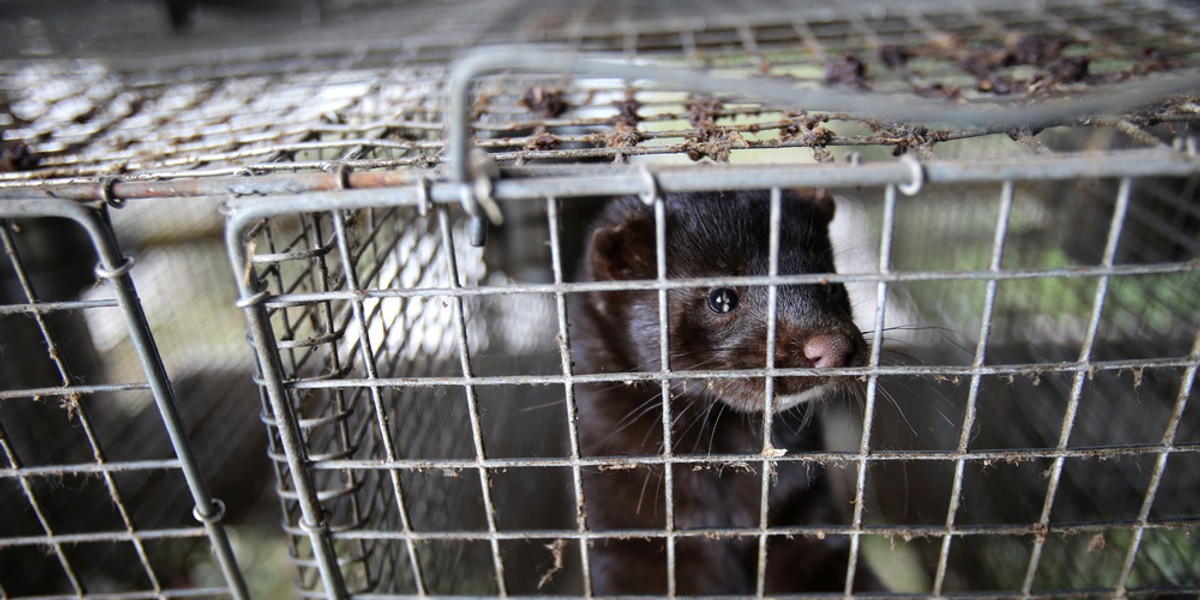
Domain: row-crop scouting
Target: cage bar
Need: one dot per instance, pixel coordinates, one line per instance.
(654, 194)
(114, 268)
(569, 391)
(964, 442)
(769, 449)
(464, 353)
(885, 251)
(1085, 355)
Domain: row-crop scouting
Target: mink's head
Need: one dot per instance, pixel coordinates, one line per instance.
(722, 327)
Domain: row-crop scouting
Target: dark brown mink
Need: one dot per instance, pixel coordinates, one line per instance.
(707, 235)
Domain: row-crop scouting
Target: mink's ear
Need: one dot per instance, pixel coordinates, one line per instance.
(623, 251)
(822, 200)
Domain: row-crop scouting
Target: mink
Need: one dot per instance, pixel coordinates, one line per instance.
(711, 234)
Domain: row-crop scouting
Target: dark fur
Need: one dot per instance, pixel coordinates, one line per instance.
(708, 234)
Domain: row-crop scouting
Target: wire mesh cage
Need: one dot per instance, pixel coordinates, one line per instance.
(87, 456)
(1019, 423)
(1012, 385)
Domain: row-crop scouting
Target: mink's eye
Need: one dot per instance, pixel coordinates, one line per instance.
(722, 300)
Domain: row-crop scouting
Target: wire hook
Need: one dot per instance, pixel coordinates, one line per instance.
(476, 195)
(652, 192)
(918, 176)
(424, 203)
(118, 271)
(342, 172)
(106, 192)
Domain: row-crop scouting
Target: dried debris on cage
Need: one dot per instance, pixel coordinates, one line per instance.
(709, 140)
(1057, 61)
(848, 71)
(83, 121)
(16, 156)
(549, 103)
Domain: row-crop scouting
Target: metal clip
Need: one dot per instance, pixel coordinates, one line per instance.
(218, 513)
(1185, 144)
(476, 195)
(424, 202)
(106, 192)
(342, 172)
(918, 176)
(652, 191)
(114, 273)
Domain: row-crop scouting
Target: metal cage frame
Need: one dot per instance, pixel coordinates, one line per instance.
(114, 269)
(246, 212)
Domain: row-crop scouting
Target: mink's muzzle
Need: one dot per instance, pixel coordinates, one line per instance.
(822, 339)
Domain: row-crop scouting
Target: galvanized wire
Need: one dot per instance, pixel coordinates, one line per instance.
(950, 533)
(769, 399)
(1085, 355)
(653, 194)
(1168, 444)
(378, 101)
(569, 390)
(989, 304)
(885, 251)
(464, 353)
(114, 269)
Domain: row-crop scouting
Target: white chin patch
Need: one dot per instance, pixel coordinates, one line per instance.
(788, 401)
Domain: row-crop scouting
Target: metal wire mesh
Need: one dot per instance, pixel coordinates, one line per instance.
(1012, 400)
(1024, 428)
(90, 512)
(386, 339)
(379, 103)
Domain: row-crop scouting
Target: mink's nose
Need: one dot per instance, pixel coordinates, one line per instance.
(829, 350)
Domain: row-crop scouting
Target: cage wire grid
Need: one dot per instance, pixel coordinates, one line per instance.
(1079, 371)
(259, 111)
(148, 536)
(361, 364)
